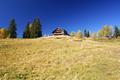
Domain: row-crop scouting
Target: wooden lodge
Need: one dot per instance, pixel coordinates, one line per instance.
(59, 31)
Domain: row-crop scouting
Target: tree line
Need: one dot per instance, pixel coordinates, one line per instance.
(105, 32)
(34, 30)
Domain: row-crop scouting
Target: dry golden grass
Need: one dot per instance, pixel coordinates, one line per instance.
(59, 59)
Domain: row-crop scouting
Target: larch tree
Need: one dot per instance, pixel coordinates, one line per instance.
(72, 34)
(79, 34)
(106, 31)
(3, 33)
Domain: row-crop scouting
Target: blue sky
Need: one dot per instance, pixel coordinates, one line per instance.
(68, 14)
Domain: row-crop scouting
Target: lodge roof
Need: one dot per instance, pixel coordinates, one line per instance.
(59, 31)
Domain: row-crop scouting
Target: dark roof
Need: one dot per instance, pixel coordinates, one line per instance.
(63, 31)
(56, 29)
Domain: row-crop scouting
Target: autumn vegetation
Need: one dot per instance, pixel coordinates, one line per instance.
(34, 30)
(78, 56)
(59, 59)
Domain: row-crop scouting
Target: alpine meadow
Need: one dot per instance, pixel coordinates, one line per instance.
(59, 40)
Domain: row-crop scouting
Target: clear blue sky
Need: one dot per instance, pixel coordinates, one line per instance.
(69, 14)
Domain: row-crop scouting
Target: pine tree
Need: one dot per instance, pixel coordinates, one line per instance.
(26, 33)
(88, 34)
(85, 33)
(12, 29)
(36, 29)
(116, 32)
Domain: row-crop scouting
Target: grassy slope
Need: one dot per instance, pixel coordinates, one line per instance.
(60, 59)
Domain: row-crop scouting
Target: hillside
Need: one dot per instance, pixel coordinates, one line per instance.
(59, 59)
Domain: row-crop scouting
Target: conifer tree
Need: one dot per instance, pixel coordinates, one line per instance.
(88, 34)
(36, 29)
(85, 33)
(116, 32)
(12, 29)
(26, 33)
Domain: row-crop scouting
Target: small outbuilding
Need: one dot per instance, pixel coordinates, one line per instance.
(59, 31)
